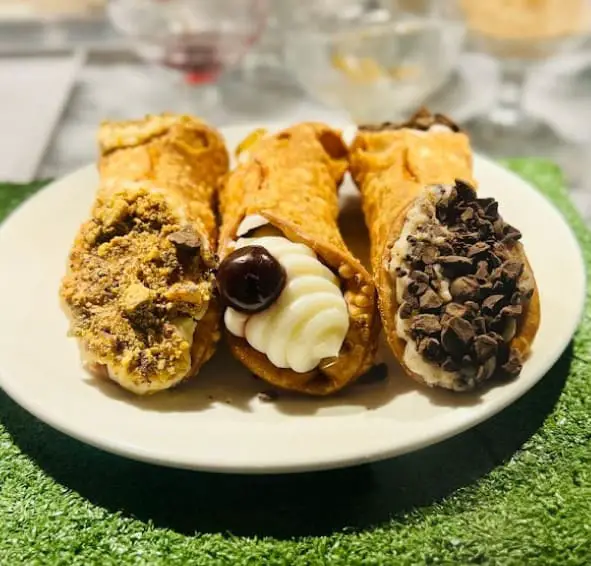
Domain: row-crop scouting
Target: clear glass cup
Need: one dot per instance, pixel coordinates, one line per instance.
(520, 34)
(261, 88)
(192, 40)
(377, 60)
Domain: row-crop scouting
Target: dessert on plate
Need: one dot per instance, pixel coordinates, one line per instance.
(457, 296)
(139, 288)
(299, 308)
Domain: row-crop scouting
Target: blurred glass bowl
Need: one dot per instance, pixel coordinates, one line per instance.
(376, 60)
(520, 34)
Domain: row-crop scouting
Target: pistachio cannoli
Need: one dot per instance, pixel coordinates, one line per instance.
(140, 280)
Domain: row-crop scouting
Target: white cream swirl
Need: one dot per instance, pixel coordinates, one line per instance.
(309, 320)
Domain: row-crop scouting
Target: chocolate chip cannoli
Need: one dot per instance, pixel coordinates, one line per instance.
(457, 296)
(139, 289)
(299, 308)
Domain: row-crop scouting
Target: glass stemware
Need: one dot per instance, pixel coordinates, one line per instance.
(520, 34)
(376, 59)
(195, 40)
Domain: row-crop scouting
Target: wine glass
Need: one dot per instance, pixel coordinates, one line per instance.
(521, 34)
(192, 40)
(378, 60)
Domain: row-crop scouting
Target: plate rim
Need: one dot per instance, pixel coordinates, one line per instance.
(124, 449)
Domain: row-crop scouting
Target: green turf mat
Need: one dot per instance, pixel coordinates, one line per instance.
(514, 490)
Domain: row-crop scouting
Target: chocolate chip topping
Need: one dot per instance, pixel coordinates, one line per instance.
(492, 304)
(425, 324)
(450, 365)
(431, 349)
(455, 265)
(510, 234)
(430, 301)
(466, 249)
(464, 289)
(456, 336)
(455, 309)
(512, 367)
(421, 120)
(465, 191)
(485, 347)
(428, 255)
(512, 311)
(473, 308)
(417, 288)
(477, 249)
(511, 270)
(482, 271)
(486, 370)
(419, 276)
(479, 325)
(516, 298)
(405, 310)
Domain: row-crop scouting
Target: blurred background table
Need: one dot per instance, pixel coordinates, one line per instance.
(277, 79)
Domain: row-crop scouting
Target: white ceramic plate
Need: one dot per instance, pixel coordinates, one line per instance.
(218, 423)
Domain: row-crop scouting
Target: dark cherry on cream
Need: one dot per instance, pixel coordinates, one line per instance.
(250, 279)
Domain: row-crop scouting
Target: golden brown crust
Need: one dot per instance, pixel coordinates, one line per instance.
(181, 154)
(390, 167)
(291, 179)
(142, 263)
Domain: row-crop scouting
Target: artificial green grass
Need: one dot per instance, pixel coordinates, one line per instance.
(514, 490)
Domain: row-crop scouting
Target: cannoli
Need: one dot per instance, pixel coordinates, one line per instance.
(457, 296)
(300, 310)
(139, 288)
